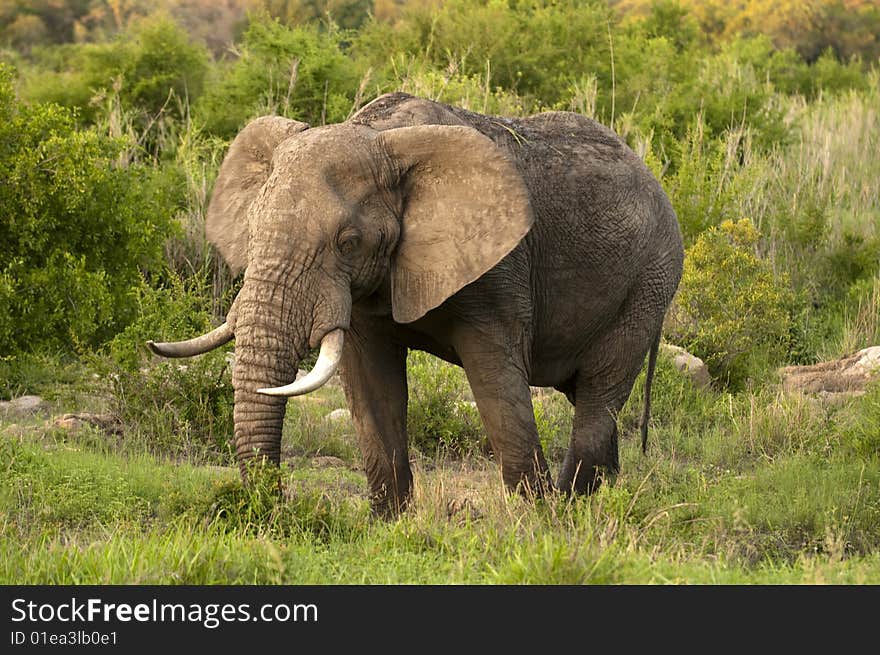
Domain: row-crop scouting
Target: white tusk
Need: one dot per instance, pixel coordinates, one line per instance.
(325, 367)
(213, 339)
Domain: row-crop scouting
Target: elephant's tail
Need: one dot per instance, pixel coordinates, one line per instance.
(649, 377)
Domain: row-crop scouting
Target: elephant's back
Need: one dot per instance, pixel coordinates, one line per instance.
(588, 189)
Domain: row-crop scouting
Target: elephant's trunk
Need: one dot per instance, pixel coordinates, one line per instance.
(258, 421)
(271, 337)
(274, 328)
(258, 417)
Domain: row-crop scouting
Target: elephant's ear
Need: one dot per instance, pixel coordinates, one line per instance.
(465, 206)
(245, 169)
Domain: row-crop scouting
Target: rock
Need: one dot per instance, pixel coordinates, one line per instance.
(847, 375)
(327, 461)
(22, 406)
(106, 422)
(691, 365)
(339, 415)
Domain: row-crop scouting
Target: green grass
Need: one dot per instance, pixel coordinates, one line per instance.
(758, 487)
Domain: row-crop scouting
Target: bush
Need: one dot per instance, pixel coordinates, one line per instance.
(178, 408)
(533, 49)
(78, 228)
(175, 310)
(39, 374)
(701, 188)
(298, 72)
(439, 417)
(154, 67)
(474, 93)
(731, 310)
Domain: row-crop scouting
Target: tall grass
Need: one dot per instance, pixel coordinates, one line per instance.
(764, 489)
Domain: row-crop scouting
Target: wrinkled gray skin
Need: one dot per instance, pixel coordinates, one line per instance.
(535, 251)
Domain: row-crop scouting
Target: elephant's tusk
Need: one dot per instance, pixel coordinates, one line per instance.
(325, 367)
(213, 339)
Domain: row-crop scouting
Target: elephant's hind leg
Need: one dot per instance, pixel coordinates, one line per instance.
(604, 381)
(374, 377)
(592, 453)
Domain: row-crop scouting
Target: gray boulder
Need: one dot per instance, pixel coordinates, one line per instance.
(690, 365)
(339, 415)
(22, 406)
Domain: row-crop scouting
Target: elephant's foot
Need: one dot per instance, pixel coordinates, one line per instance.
(534, 482)
(389, 500)
(584, 475)
(592, 455)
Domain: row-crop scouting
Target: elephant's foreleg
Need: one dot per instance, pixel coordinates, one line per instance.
(500, 386)
(374, 377)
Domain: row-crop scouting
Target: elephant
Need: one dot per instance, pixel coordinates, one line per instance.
(535, 251)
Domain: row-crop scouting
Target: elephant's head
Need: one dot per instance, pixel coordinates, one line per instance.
(321, 218)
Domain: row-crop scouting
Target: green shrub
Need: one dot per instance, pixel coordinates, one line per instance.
(177, 408)
(77, 229)
(440, 418)
(701, 188)
(36, 373)
(451, 86)
(153, 66)
(298, 72)
(171, 311)
(531, 48)
(731, 310)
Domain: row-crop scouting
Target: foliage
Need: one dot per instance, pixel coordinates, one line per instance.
(298, 72)
(36, 374)
(153, 67)
(847, 27)
(176, 310)
(705, 185)
(731, 310)
(530, 48)
(77, 230)
(440, 418)
(177, 408)
(454, 87)
(348, 14)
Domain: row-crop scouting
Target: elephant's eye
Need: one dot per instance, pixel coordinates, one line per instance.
(348, 241)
